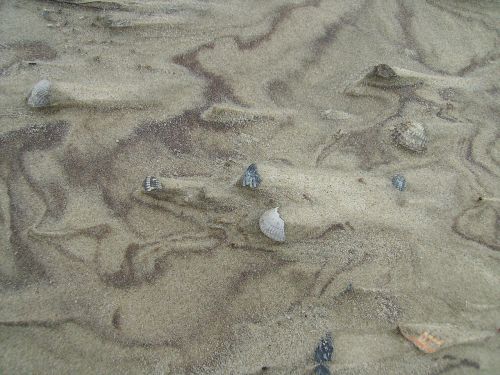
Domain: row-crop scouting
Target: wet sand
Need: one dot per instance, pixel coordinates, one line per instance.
(98, 276)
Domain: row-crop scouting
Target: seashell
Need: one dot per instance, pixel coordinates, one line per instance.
(431, 337)
(322, 370)
(331, 114)
(383, 71)
(399, 182)
(224, 114)
(40, 94)
(411, 136)
(384, 77)
(251, 177)
(272, 225)
(151, 184)
(324, 350)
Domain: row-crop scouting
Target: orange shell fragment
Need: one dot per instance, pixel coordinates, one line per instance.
(426, 342)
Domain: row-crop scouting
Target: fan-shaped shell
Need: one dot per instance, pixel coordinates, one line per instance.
(272, 225)
(40, 94)
(151, 183)
(251, 177)
(411, 136)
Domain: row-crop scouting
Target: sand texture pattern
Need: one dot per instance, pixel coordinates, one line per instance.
(329, 99)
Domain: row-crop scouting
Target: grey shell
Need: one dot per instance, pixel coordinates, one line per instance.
(399, 182)
(151, 184)
(411, 135)
(383, 71)
(251, 177)
(324, 350)
(322, 370)
(40, 94)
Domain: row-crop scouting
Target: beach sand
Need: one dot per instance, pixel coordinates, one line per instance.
(99, 277)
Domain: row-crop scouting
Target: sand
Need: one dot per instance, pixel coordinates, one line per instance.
(99, 277)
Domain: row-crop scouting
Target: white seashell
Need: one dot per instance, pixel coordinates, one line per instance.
(272, 225)
(226, 114)
(331, 114)
(411, 136)
(40, 94)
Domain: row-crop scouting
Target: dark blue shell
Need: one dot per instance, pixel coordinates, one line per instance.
(251, 177)
(321, 370)
(151, 184)
(324, 350)
(399, 182)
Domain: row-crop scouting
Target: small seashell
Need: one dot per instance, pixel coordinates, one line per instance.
(251, 177)
(384, 77)
(272, 225)
(331, 114)
(399, 182)
(411, 136)
(151, 184)
(227, 115)
(431, 337)
(322, 370)
(40, 94)
(383, 71)
(324, 350)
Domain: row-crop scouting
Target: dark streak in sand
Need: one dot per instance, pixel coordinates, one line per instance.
(281, 15)
(14, 144)
(217, 89)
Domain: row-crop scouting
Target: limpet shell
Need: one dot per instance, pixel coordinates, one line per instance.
(272, 225)
(40, 94)
(151, 183)
(399, 182)
(251, 177)
(411, 136)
